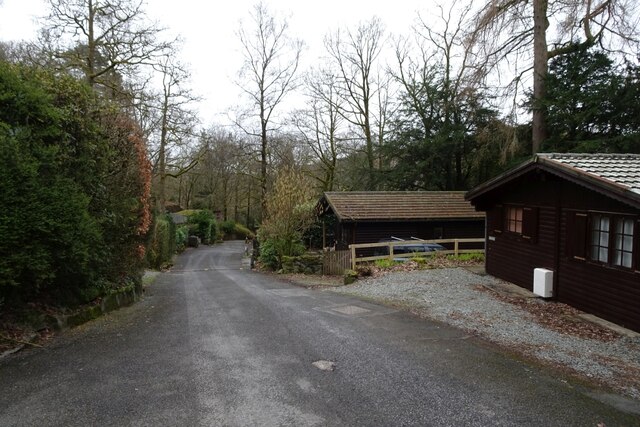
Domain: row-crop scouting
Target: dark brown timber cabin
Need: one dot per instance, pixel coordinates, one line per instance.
(577, 215)
(370, 216)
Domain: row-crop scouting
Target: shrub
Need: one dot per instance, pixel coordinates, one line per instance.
(74, 183)
(272, 250)
(289, 212)
(243, 231)
(203, 224)
(182, 234)
(384, 263)
(420, 260)
(162, 243)
(228, 227)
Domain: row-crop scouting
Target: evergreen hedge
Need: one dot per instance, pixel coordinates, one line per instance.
(74, 185)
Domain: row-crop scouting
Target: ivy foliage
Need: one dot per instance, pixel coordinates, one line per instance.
(74, 181)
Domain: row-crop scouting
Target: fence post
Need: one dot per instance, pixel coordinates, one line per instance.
(455, 247)
(353, 257)
(390, 252)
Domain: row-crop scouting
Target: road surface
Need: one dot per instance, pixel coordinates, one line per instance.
(214, 344)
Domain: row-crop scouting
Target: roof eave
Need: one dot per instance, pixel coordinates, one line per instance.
(501, 179)
(594, 183)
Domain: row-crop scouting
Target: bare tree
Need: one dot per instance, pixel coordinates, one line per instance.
(271, 59)
(101, 39)
(176, 124)
(319, 124)
(441, 108)
(518, 30)
(355, 54)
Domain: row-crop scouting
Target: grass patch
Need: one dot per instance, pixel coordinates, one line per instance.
(384, 263)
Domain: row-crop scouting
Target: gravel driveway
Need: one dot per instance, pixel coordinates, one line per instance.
(480, 305)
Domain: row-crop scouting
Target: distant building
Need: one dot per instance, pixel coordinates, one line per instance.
(370, 216)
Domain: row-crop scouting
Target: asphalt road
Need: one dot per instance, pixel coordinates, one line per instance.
(213, 344)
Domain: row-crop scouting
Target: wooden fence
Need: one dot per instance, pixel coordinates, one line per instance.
(457, 249)
(336, 262)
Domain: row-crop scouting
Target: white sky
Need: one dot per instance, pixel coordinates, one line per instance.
(208, 29)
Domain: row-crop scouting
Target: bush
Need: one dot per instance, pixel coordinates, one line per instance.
(384, 263)
(289, 212)
(269, 255)
(162, 244)
(235, 230)
(272, 250)
(182, 234)
(203, 224)
(228, 227)
(242, 231)
(74, 183)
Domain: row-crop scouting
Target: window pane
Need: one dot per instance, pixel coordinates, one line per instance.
(595, 238)
(617, 258)
(619, 241)
(604, 239)
(604, 255)
(604, 223)
(623, 249)
(628, 227)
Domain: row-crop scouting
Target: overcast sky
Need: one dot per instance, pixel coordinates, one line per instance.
(208, 29)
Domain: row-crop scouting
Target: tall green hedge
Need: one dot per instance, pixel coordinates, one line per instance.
(74, 185)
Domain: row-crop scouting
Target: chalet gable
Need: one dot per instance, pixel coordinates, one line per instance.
(614, 175)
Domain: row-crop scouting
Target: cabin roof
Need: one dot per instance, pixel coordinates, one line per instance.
(615, 175)
(398, 205)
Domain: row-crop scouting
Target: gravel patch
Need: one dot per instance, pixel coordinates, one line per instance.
(463, 299)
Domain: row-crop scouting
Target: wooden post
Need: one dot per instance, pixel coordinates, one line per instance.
(390, 252)
(353, 257)
(455, 247)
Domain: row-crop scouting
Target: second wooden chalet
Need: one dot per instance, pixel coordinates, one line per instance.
(371, 216)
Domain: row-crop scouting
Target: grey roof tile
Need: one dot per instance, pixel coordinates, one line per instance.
(622, 170)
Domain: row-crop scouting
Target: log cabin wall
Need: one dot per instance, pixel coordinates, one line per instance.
(612, 293)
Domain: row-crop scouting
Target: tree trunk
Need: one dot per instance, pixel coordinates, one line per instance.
(540, 58)
(162, 157)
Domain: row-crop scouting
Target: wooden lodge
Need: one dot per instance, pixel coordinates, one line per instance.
(577, 215)
(371, 216)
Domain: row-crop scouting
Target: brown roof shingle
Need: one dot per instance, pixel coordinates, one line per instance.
(399, 205)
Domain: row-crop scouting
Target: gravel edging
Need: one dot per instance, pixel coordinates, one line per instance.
(458, 297)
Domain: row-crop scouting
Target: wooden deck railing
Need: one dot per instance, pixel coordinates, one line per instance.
(391, 255)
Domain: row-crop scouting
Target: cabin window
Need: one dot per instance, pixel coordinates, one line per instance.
(600, 238)
(514, 219)
(623, 243)
(611, 240)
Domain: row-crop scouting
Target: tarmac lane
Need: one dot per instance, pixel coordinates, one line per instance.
(215, 344)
